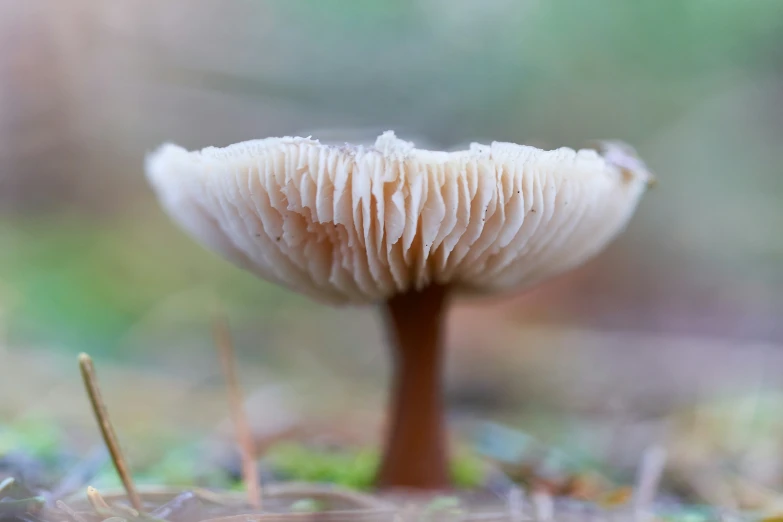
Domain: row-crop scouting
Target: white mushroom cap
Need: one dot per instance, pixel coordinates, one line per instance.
(357, 224)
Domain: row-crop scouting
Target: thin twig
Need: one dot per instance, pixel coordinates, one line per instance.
(107, 430)
(225, 348)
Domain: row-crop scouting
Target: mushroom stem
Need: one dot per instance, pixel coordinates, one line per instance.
(415, 455)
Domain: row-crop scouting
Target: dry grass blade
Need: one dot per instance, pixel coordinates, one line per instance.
(121, 510)
(62, 506)
(107, 430)
(7, 484)
(9, 509)
(225, 348)
(176, 505)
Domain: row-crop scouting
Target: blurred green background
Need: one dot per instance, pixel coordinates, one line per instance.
(683, 309)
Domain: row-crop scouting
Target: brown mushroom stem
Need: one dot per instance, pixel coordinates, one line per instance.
(415, 455)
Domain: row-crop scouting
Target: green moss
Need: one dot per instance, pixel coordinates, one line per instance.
(297, 462)
(307, 505)
(444, 506)
(355, 469)
(467, 471)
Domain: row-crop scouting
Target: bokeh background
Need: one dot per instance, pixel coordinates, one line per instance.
(675, 327)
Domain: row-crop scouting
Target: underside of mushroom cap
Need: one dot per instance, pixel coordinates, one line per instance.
(355, 224)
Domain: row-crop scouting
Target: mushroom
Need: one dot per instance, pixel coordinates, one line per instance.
(406, 229)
